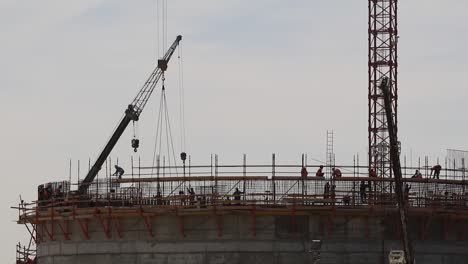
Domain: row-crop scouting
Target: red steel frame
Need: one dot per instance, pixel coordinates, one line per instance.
(382, 62)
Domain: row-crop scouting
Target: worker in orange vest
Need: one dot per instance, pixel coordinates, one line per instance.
(319, 172)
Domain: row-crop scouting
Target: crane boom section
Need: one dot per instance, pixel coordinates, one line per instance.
(132, 113)
(145, 92)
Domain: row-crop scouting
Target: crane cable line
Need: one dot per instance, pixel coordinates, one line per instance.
(161, 26)
(163, 129)
(183, 145)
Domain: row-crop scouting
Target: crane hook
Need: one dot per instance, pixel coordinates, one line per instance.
(135, 144)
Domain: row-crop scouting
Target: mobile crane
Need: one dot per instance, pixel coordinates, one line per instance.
(396, 166)
(132, 113)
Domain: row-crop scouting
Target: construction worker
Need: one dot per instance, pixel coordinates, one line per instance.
(191, 195)
(237, 196)
(362, 191)
(372, 173)
(58, 192)
(336, 173)
(436, 169)
(406, 191)
(118, 171)
(319, 172)
(159, 198)
(304, 172)
(417, 175)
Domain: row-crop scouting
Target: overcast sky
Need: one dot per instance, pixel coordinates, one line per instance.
(260, 77)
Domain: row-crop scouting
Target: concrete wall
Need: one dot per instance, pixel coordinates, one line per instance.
(344, 240)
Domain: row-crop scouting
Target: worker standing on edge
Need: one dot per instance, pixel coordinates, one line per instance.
(436, 169)
(319, 172)
(304, 172)
(118, 171)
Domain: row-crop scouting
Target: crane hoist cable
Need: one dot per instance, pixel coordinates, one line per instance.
(164, 135)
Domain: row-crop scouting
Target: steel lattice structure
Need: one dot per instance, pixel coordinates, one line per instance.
(382, 62)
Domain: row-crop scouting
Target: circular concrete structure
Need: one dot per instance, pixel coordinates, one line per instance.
(200, 237)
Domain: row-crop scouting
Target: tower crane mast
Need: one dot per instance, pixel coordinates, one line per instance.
(132, 113)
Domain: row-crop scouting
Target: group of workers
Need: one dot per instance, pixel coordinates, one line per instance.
(336, 173)
(48, 192)
(364, 188)
(434, 170)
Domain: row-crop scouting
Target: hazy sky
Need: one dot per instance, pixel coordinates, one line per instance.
(260, 77)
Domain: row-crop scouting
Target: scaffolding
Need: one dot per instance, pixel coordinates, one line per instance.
(252, 190)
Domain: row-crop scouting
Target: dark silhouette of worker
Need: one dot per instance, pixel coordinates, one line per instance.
(372, 173)
(436, 169)
(118, 171)
(237, 196)
(406, 191)
(159, 198)
(304, 172)
(319, 172)
(362, 191)
(58, 192)
(326, 192)
(417, 175)
(48, 191)
(192, 195)
(347, 200)
(336, 173)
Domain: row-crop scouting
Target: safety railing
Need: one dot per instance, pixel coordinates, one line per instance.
(223, 191)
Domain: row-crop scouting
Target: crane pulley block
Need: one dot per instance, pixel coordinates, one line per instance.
(162, 64)
(132, 113)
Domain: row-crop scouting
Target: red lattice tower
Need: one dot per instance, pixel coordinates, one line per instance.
(383, 37)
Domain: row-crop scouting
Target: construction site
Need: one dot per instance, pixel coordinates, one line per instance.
(172, 211)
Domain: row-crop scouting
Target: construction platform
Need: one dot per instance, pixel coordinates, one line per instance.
(273, 218)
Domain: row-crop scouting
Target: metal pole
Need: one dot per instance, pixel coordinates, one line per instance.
(69, 175)
(273, 177)
(244, 172)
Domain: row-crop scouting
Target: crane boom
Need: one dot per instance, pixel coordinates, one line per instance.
(396, 165)
(132, 113)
